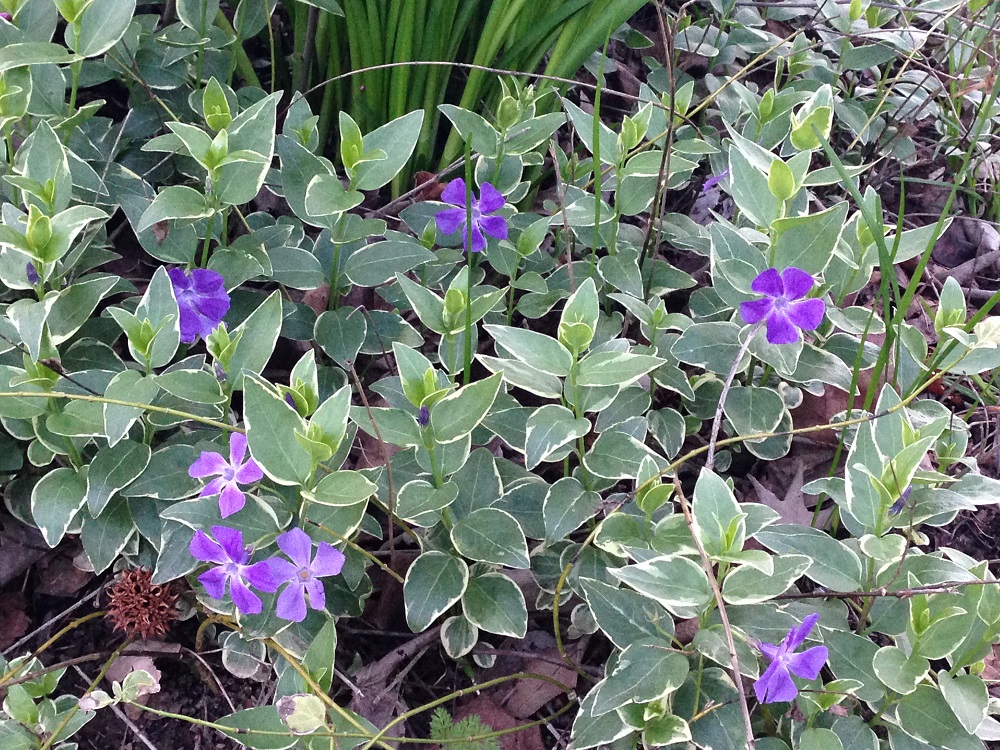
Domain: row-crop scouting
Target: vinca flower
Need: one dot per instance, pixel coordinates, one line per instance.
(29, 270)
(231, 558)
(784, 308)
(451, 220)
(302, 574)
(714, 180)
(775, 685)
(424, 417)
(229, 475)
(202, 299)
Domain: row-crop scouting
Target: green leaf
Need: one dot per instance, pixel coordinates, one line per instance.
(458, 413)
(819, 739)
(968, 698)
(925, 715)
(750, 190)
(474, 129)
(105, 536)
(421, 498)
(434, 582)
(55, 500)
(128, 386)
(677, 583)
(646, 671)
(492, 536)
(330, 6)
(747, 585)
(458, 636)
(808, 242)
(549, 429)
(341, 333)
(375, 264)
(615, 368)
(534, 349)
(175, 202)
(113, 469)
(899, 672)
(395, 426)
(326, 196)
(397, 139)
(835, 565)
(717, 515)
(102, 24)
(780, 180)
(259, 728)
(624, 615)
(567, 506)
(256, 345)
(712, 346)
(343, 488)
(159, 305)
(199, 386)
(33, 53)
(753, 410)
(272, 443)
(494, 603)
(618, 455)
(166, 476)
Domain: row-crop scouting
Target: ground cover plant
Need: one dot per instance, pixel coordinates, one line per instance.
(652, 417)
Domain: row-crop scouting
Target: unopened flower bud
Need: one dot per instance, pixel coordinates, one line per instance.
(32, 273)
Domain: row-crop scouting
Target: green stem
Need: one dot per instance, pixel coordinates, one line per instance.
(208, 241)
(240, 58)
(596, 135)
(467, 376)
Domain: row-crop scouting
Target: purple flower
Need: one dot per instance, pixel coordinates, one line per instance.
(229, 475)
(451, 220)
(424, 417)
(783, 306)
(904, 498)
(231, 558)
(7, 17)
(29, 270)
(775, 685)
(302, 574)
(202, 299)
(714, 180)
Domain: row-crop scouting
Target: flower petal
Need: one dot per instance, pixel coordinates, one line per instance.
(768, 282)
(205, 549)
(317, 595)
(494, 226)
(249, 473)
(778, 686)
(212, 309)
(208, 464)
(478, 240)
(797, 283)
(329, 561)
(809, 662)
(232, 542)
(261, 576)
(490, 199)
(769, 650)
(454, 192)
(205, 282)
(212, 488)
(297, 545)
(214, 581)
(179, 280)
(291, 603)
(807, 314)
(237, 449)
(231, 500)
(756, 310)
(190, 323)
(798, 634)
(282, 570)
(450, 220)
(245, 600)
(780, 330)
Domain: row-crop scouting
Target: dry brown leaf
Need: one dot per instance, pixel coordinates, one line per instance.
(15, 622)
(528, 696)
(493, 716)
(793, 507)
